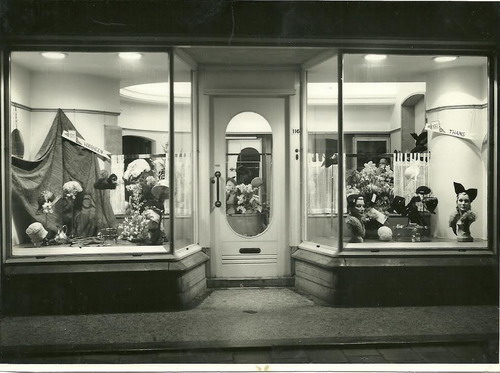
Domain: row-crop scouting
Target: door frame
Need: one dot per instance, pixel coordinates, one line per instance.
(292, 119)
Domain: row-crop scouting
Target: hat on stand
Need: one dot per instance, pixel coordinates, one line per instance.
(161, 189)
(36, 232)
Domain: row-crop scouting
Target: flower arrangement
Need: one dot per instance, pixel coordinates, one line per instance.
(135, 224)
(144, 210)
(374, 184)
(71, 189)
(246, 197)
(45, 202)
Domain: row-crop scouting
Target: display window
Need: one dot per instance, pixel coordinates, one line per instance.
(415, 156)
(429, 186)
(92, 157)
(321, 160)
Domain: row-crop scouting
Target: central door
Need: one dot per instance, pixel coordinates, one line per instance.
(249, 178)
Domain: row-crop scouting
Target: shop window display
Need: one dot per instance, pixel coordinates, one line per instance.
(412, 129)
(73, 190)
(437, 123)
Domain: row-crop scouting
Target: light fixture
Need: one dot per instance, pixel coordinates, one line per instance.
(54, 55)
(130, 55)
(445, 58)
(375, 57)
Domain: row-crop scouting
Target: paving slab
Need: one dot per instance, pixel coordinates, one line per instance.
(278, 317)
(326, 356)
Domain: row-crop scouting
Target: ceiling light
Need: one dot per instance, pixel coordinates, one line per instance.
(375, 57)
(130, 55)
(54, 55)
(445, 58)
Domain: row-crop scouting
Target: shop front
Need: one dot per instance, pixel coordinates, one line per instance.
(138, 177)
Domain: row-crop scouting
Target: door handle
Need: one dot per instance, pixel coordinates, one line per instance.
(218, 203)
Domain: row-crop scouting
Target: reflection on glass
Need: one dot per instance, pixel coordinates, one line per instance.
(248, 170)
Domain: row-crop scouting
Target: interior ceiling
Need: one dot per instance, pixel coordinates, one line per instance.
(321, 62)
(257, 56)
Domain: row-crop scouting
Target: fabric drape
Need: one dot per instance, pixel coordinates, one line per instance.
(58, 161)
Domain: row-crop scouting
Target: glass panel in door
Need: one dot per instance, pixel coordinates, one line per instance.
(248, 170)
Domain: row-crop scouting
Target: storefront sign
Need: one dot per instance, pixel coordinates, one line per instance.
(71, 135)
(457, 132)
(467, 122)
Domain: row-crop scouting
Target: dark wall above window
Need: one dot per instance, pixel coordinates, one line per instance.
(223, 21)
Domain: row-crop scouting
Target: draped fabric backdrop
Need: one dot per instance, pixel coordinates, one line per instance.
(58, 161)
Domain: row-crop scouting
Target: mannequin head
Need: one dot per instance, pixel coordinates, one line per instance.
(383, 163)
(356, 205)
(464, 197)
(463, 202)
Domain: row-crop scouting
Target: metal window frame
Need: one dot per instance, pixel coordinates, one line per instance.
(476, 50)
(399, 47)
(6, 228)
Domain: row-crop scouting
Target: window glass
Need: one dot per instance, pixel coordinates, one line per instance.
(88, 165)
(183, 153)
(416, 149)
(249, 145)
(321, 162)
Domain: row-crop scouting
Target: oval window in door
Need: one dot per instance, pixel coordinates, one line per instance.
(249, 143)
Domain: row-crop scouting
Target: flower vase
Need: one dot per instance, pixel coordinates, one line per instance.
(248, 224)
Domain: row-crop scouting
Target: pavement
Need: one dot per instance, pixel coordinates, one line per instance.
(258, 326)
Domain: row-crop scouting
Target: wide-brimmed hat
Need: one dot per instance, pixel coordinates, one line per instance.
(256, 182)
(160, 190)
(423, 190)
(36, 232)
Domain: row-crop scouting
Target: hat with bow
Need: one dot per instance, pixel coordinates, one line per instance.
(471, 192)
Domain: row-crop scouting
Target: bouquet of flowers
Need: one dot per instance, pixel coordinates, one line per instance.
(71, 189)
(45, 202)
(246, 197)
(374, 184)
(137, 225)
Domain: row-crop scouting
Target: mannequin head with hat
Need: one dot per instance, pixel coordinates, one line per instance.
(463, 217)
(464, 197)
(356, 205)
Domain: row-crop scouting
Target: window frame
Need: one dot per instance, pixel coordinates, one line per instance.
(401, 47)
(370, 137)
(492, 204)
(141, 253)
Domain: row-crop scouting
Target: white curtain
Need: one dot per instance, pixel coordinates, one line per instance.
(183, 189)
(117, 196)
(411, 170)
(322, 186)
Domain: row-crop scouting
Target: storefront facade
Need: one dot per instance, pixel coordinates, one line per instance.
(145, 166)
